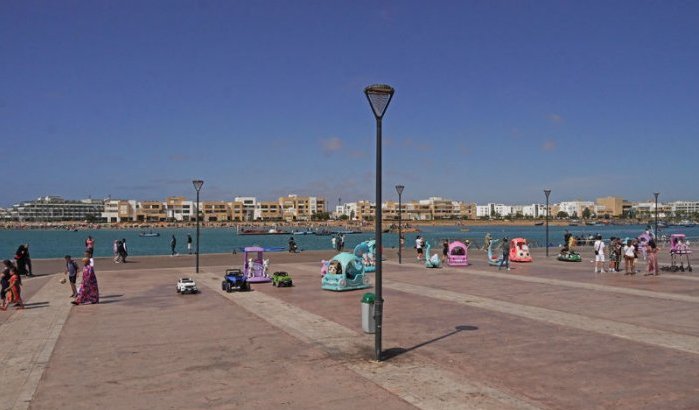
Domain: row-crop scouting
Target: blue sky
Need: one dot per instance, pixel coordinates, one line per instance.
(495, 100)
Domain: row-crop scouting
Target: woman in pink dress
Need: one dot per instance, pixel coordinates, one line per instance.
(89, 292)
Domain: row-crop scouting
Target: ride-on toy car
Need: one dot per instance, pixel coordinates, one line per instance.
(186, 285)
(345, 272)
(235, 279)
(281, 280)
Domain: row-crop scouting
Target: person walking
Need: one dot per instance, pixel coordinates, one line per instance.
(505, 261)
(652, 251)
(418, 247)
(599, 254)
(14, 291)
(124, 250)
(21, 257)
(115, 250)
(89, 291)
(342, 242)
(90, 244)
(629, 256)
(333, 241)
(29, 261)
(189, 244)
(173, 244)
(72, 272)
(445, 250)
(5, 278)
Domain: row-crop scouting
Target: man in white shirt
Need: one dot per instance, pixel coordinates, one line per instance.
(418, 247)
(599, 254)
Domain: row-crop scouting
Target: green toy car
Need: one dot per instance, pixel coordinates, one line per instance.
(281, 279)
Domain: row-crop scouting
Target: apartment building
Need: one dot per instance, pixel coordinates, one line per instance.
(214, 211)
(249, 205)
(268, 211)
(684, 207)
(178, 208)
(151, 211)
(119, 210)
(301, 208)
(55, 208)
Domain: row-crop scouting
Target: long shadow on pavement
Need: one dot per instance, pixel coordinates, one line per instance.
(397, 351)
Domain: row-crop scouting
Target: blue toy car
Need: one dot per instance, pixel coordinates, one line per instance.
(235, 279)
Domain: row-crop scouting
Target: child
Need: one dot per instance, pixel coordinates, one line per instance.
(14, 293)
(72, 272)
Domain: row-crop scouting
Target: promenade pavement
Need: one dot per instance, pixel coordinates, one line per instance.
(545, 335)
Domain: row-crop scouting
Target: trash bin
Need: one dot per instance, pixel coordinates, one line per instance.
(368, 322)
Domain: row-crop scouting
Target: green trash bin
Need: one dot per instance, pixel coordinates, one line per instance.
(368, 322)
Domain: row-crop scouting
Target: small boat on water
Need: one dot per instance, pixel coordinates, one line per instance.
(149, 234)
(262, 232)
(538, 223)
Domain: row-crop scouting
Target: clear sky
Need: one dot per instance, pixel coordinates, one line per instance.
(495, 100)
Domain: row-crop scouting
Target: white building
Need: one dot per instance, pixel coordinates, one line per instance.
(685, 207)
(491, 210)
(576, 208)
(250, 209)
(535, 210)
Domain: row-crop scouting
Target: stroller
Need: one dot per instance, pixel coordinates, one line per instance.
(679, 251)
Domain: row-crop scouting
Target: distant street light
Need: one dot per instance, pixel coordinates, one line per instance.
(379, 96)
(656, 216)
(399, 189)
(547, 192)
(197, 185)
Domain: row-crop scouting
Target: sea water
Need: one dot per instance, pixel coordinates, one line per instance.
(57, 243)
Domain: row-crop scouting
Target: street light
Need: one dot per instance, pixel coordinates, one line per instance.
(197, 185)
(547, 192)
(399, 189)
(656, 216)
(379, 96)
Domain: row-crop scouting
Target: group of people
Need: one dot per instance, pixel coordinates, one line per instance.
(11, 291)
(120, 251)
(630, 250)
(11, 279)
(88, 292)
(173, 245)
(338, 242)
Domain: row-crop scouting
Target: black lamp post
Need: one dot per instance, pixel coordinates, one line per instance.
(379, 96)
(547, 192)
(656, 216)
(197, 185)
(399, 189)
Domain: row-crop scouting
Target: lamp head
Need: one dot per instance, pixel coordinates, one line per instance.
(379, 96)
(399, 189)
(197, 184)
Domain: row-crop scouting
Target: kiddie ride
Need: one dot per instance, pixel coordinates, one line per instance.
(345, 271)
(366, 251)
(431, 261)
(254, 265)
(457, 254)
(567, 255)
(519, 250)
(679, 252)
(235, 279)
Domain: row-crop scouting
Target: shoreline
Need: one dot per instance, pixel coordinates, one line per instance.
(355, 225)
